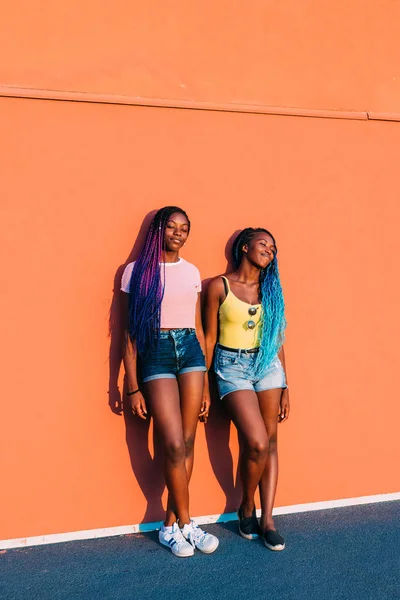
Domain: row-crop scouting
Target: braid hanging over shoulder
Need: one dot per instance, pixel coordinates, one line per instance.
(146, 288)
(273, 322)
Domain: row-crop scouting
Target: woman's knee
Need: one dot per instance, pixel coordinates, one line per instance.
(272, 444)
(189, 445)
(175, 450)
(258, 447)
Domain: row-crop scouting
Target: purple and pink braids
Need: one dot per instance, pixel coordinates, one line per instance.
(146, 288)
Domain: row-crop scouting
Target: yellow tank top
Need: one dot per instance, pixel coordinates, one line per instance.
(239, 328)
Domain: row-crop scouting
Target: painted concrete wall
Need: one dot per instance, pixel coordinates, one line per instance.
(77, 181)
(313, 54)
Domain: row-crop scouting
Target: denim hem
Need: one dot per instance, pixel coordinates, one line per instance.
(241, 389)
(159, 376)
(274, 387)
(192, 369)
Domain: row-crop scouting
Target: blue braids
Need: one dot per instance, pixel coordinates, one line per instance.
(273, 322)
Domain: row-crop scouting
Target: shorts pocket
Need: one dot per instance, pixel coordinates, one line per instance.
(226, 359)
(191, 353)
(275, 366)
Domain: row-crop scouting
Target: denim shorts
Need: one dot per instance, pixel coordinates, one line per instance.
(234, 372)
(177, 352)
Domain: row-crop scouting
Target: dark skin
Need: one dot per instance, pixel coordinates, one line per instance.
(176, 405)
(256, 415)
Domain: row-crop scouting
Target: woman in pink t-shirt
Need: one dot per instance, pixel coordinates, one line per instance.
(164, 337)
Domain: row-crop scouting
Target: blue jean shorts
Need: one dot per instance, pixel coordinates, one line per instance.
(233, 369)
(178, 352)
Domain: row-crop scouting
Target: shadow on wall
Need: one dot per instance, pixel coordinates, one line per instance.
(147, 466)
(218, 427)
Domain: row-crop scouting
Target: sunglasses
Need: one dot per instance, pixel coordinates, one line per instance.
(252, 312)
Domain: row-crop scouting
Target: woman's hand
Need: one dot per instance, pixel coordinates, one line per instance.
(205, 406)
(115, 400)
(138, 405)
(284, 408)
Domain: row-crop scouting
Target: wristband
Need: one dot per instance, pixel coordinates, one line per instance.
(131, 393)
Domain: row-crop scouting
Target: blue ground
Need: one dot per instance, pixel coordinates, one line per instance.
(341, 554)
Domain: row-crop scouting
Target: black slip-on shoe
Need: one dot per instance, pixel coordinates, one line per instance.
(273, 540)
(248, 526)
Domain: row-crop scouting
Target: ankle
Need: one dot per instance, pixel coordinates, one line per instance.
(247, 509)
(169, 522)
(267, 523)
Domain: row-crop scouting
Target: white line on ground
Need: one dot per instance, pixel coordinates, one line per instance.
(56, 538)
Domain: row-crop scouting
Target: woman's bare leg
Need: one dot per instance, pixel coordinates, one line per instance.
(191, 394)
(244, 409)
(164, 403)
(269, 406)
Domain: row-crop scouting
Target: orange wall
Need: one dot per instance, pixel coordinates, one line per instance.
(77, 181)
(313, 54)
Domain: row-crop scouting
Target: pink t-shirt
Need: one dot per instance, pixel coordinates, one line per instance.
(182, 284)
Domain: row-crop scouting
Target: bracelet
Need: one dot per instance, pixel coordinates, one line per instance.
(131, 393)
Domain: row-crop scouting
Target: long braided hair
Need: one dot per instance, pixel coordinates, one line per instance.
(146, 288)
(273, 322)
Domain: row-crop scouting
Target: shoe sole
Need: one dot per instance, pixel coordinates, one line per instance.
(248, 536)
(208, 551)
(277, 548)
(166, 545)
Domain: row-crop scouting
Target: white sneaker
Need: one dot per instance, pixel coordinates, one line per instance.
(173, 538)
(205, 542)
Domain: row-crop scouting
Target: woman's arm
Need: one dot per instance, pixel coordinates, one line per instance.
(285, 402)
(281, 355)
(130, 364)
(205, 405)
(215, 293)
(136, 400)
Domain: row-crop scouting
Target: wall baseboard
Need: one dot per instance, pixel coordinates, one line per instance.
(56, 538)
(94, 98)
(9, 91)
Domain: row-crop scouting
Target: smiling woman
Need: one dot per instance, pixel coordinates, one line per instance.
(164, 336)
(248, 309)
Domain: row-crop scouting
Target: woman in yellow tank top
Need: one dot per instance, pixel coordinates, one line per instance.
(245, 326)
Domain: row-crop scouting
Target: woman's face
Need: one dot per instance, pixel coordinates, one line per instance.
(261, 250)
(176, 232)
